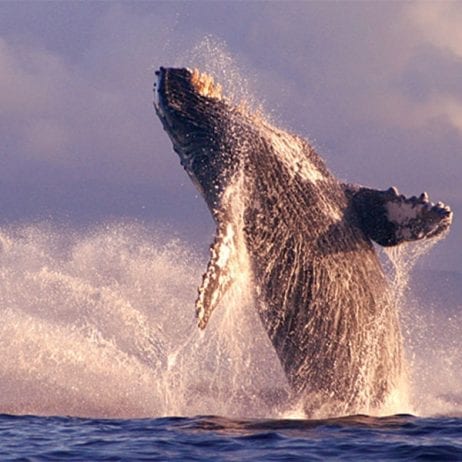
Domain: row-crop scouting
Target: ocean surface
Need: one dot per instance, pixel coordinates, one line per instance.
(357, 438)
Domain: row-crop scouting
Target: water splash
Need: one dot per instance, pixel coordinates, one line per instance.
(212, 56)
(102, 324)
(432, 342)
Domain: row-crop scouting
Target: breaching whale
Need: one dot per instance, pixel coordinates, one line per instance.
(321, 293)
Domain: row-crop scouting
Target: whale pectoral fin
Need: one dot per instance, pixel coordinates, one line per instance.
(389, 218)
(218, 277)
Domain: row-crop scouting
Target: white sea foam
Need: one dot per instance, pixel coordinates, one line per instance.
(102, 324)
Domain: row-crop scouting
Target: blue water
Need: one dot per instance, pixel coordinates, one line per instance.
(358, 438)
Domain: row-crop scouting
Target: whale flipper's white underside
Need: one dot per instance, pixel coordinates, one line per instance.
(218, 276)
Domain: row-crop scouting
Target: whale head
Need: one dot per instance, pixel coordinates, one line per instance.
(196, 118)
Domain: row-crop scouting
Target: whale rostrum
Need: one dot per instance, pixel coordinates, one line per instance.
(322, 295)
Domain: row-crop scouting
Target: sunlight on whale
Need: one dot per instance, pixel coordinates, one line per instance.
(304, 240)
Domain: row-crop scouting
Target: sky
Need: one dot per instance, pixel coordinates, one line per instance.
(376, 87)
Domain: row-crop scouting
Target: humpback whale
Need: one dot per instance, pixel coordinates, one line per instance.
(321, 293)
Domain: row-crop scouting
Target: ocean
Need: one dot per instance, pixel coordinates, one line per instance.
(356, 438)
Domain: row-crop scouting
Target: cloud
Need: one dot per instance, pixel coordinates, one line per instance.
(32, 94)
(29, 80)
(94, 112)
(439, 23)
(445, 107)
(376, 85)
(80, 139)
(46, 139)
(429, 86)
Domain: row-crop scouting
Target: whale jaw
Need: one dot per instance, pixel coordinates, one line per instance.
(187, 104)
(197, 120)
